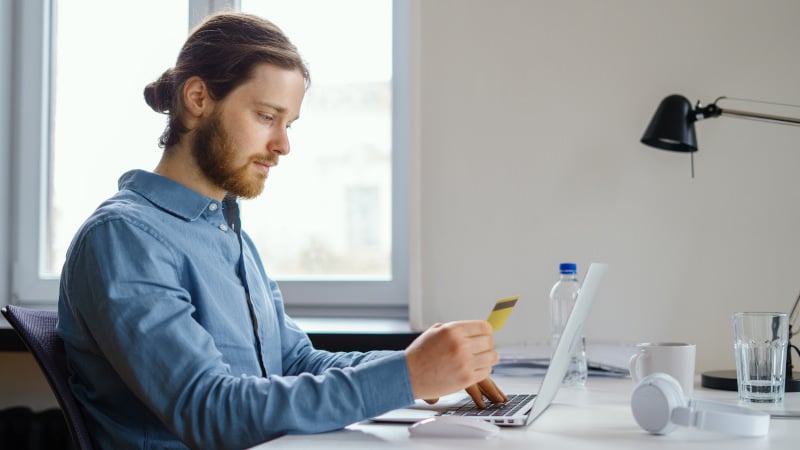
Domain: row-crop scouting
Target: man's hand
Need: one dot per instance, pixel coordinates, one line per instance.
(453, 356)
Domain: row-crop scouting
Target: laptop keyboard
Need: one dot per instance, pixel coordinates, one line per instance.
(512, 406)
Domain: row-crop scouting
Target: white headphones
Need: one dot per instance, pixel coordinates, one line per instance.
(659, 407)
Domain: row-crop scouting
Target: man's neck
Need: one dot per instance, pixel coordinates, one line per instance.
(178, 164)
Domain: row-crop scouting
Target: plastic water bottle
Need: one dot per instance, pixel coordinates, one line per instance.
(562, 299)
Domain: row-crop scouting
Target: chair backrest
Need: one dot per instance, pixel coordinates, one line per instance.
(37, 329)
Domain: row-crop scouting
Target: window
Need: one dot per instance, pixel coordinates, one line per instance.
(331, 223)
(100, 124)
(341, 145)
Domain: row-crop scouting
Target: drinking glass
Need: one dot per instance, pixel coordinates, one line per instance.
(760, 340)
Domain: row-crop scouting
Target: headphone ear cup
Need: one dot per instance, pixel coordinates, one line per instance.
(654, 399)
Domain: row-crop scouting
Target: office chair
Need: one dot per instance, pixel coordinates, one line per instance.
(37, 329)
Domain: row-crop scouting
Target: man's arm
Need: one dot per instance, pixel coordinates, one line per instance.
(125, 285)
(461, 342)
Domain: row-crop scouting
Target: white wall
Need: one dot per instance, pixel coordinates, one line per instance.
(530, 118)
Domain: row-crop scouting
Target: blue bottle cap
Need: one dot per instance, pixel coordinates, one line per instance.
(567, 268)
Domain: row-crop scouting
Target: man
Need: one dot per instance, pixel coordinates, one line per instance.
(175, 336)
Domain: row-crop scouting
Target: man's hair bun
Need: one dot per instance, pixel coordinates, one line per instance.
(160, 94)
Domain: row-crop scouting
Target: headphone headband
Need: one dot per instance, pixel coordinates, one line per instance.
(721, 417)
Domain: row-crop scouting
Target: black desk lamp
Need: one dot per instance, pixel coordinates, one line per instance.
(672, 128)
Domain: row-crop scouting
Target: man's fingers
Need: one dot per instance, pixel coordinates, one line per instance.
(492, 392)
(479, 350)
(477, 328)
(471, 328)
(431, 401)
(485, 359)
(477, 396)
(486, 388)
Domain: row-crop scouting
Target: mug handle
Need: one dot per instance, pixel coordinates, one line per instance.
(633, 366)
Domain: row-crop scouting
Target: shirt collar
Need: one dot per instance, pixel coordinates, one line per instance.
(166, 193)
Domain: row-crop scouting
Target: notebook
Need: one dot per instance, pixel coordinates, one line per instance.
(524, 408)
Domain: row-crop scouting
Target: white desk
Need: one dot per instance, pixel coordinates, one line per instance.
(595, 417)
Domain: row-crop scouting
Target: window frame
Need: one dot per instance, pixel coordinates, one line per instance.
(31, 146)
(30, 102)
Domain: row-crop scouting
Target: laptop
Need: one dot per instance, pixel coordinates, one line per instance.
(521, 409)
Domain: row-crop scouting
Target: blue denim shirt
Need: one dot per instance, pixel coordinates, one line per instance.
(176, 337)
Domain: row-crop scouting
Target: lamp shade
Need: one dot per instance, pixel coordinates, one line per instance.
(672, 126)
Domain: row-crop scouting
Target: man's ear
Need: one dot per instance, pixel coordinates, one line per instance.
(196, 100)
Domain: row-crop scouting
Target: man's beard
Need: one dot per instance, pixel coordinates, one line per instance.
(214, 151)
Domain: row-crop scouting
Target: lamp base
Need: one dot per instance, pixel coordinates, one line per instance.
(725, 380)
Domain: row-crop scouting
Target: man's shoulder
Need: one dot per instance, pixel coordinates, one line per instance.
(124, 204)
(127, 208)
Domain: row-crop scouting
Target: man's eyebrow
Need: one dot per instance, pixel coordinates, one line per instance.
(277, 108)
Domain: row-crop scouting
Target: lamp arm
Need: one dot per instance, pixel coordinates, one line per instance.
(701, 112)
(759, 116)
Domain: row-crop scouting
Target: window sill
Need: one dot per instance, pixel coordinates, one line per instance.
(339, 334)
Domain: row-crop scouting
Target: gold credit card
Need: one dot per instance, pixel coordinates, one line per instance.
(502, 309)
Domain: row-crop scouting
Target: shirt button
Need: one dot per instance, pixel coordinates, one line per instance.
(223, 227)
(212, 207)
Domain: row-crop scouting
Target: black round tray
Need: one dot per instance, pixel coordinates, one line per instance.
(725, 380)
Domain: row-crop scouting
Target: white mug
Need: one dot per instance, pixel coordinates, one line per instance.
(673, 358)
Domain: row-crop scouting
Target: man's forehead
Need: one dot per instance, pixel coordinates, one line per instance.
(279, 89)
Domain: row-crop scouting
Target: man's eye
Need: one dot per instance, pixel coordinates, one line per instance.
(266, 118)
